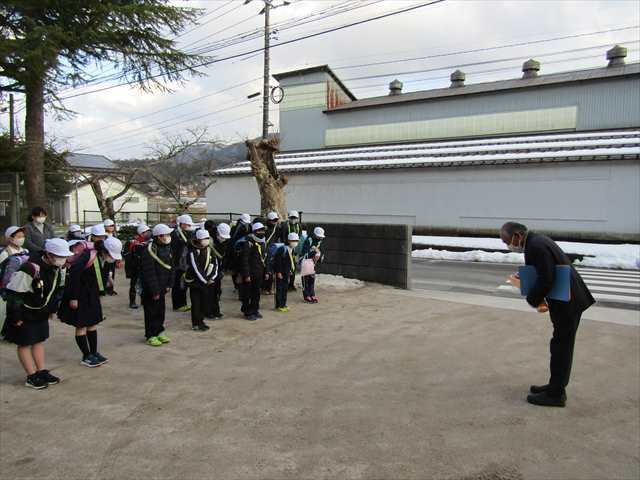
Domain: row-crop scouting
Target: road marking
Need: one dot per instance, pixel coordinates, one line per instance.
(589, 281)
(614, 289)
(617, 273)
(617, 298)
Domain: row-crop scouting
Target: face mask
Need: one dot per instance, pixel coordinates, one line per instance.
(514, 248)
(293, 221)
(220, 239)
(204, 242)
(77, 235)
(293, 245)
(40, 220)
(165, 239)
(58, 261)
(259, 237)
(18, 242)
(109, 259)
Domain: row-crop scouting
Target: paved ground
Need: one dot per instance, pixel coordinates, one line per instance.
(375, 383)
(611, 288)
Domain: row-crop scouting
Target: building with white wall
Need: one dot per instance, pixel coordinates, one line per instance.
(558, 152)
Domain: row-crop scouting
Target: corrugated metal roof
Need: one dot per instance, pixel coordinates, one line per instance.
(89, 162)
(561, 147)
(490, 87)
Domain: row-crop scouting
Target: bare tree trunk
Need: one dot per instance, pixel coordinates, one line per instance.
(270, 183)
(103, 204)
(34, 151)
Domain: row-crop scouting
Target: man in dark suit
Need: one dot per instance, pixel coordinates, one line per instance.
(544, 254)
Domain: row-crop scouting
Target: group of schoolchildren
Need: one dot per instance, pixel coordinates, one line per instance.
(68, 278)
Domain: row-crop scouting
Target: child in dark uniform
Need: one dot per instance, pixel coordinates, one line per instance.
(311, 252)
(222, 233)
(252, 270)
(81, 307)
(284, 264)
(200, 276)
(157, 278)
(31, 290)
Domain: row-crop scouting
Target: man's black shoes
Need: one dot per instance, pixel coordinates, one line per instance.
(539, 388)
(545, 400)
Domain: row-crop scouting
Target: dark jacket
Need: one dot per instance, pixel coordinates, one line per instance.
(252, 259)
(232, 259)
(42, 300)
(544, 254)
(156, 277)
(82, 284)
(179, 248)
(220, 251)
(34, 239)
(134, 249)
(286, 228)
(284, 261)
(273, 234)
(204, 267)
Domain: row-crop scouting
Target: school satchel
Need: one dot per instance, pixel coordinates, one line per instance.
(307, 267)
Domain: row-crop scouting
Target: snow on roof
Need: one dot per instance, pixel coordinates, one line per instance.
(602, 145)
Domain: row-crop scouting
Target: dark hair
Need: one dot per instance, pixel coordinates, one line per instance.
(511, 228)
(37, 211)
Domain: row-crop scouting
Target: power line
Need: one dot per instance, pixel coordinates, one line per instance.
(287, 42)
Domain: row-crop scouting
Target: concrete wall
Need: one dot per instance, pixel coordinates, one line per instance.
(599, 200)
(373, 253)
(600, 104)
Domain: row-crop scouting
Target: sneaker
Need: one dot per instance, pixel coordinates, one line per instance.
(251, 318)
(268, 292)
(90, 361)
(539, 388)
(154, 342)
(283, 309)
(314, 299)
(163, 338)
(47, 377)
(100, 358)
(219, 316)
(133, 306)
(185, 308)
(200, 328)
(259, 315)
(545, 400)
(36, 382)
(308, 300)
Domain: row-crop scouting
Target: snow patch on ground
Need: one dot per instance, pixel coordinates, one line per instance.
(472, 256)
(335, 283)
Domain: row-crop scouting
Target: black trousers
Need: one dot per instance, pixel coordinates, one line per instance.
(267, 285)
(309, 286)
(212, 299)
(153, 315)
(250, 293)
(197, 305)
(178, 292)
(132, 288)
(111, 272)
(292, 280)
(565, 320)
(282, 287)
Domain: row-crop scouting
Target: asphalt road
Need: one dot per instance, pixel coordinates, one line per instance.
(612, 288)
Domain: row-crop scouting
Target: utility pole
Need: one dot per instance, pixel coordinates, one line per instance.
(268, 6)
(265, 86)
(12, 129)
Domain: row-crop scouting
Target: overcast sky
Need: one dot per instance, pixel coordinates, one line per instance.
(106, 122)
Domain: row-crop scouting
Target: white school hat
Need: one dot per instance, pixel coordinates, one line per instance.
(272, 216)
(57, 247)
(161, 229)
(293, 237)
(294, 214)
(258, 226)
(11, 231)
(98, 230)
(74, 228)
(186, 219)
(202, 234)
(73, 242)
(318, 232)
(142, 228)
(245, 218)
(224, 230)
(108, 223)
(114, 247)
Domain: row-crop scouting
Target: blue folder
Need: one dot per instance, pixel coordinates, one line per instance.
(561, 289)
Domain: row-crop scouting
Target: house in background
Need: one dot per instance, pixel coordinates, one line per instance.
(80, 206)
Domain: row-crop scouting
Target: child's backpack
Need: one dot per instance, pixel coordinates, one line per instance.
(271, 255)
(9, 266)
(303, 238)
(237, 246)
